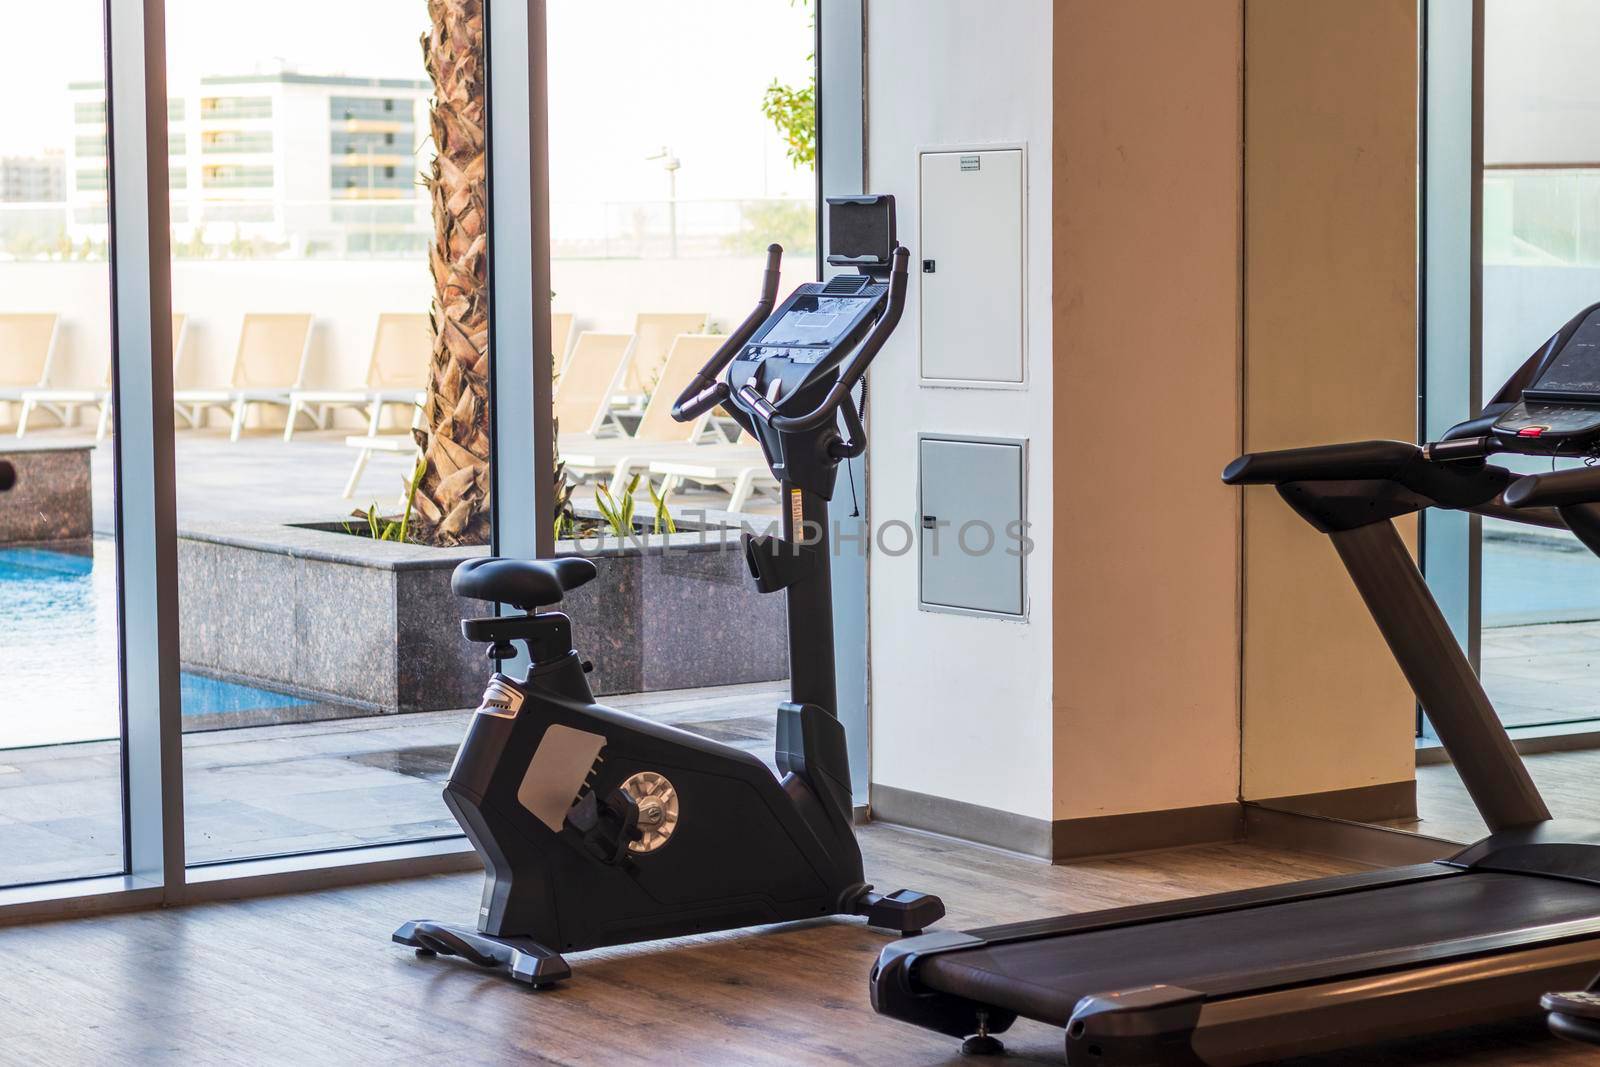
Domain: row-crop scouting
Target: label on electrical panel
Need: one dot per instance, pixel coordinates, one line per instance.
(797, 512)
(971, 162)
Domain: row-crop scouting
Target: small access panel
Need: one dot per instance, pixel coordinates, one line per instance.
(971, 539)
(970, 250)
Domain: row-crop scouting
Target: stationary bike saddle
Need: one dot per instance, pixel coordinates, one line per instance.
(524, 583)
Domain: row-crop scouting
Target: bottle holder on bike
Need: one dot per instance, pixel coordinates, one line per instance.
(777, 564)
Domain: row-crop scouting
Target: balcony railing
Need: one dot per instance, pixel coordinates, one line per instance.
(224, 227)
(1542, 215)
(683, 229)
(235, 107)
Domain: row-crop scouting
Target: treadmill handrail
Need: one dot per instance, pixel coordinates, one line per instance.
(1443, 483)
(1555, 489)
(1348, 461)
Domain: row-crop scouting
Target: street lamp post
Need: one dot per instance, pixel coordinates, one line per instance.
(671, 163)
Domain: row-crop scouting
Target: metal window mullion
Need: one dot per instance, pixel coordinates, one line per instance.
(842, 171)
(146, 522)
(1450, 279)
(520, 392)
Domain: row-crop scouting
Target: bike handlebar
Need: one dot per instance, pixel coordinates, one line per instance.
(854, 368)
(704, 391)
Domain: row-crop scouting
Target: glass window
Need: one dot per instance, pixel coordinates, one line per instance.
(324, 673)
(324, 682)
(225, 177)
(60, 731)
(345, 143)
(1541, 264)
(90, 143)
(355, 108)
(222, 141)
(371, 176)
(662, 206)
(233, 107)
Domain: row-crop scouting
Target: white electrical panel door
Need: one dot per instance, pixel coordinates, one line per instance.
(970, 259)
(972, 538)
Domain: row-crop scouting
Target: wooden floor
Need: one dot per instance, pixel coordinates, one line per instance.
(312, 979)
(1569, 781)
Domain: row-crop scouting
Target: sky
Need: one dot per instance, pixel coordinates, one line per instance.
(627, 77)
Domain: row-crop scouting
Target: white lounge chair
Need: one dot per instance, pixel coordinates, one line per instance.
(27, 350)
(560, 338)
(655, 332)
(738, 468)
(397, 374)
(58, 400)
(269, 364)
(592, 376)
(367, 444)
(657, 435)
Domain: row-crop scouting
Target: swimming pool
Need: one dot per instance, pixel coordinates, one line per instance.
(58, 653)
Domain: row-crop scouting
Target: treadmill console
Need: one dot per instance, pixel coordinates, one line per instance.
(1558, 413)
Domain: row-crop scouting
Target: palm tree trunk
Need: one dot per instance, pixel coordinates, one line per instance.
(452, 497)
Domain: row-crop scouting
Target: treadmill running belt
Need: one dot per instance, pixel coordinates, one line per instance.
(1237, 951)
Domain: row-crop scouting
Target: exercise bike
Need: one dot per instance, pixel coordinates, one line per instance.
(597, 827)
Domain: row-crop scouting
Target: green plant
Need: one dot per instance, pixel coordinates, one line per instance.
(664, 522)
(791, 223)
(565, 520)
(793, 110)
(618, 514)
(381, 529)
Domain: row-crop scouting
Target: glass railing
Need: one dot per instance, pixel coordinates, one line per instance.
(260, 227)
(1542, 216)
(683, 229)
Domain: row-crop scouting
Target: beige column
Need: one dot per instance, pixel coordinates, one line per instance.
(1330, 312)
(1146, 398)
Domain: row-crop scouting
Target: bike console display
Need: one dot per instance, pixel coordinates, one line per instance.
(789, 371)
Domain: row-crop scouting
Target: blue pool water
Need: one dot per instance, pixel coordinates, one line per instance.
(58, 652)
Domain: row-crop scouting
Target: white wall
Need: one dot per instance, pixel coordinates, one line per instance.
(961, 706)
(346, 296)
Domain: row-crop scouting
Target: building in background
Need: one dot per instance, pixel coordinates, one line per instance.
(266, 164)
(33, 179)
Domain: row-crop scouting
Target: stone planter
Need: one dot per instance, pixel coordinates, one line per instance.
(51, 498)
(374, 625)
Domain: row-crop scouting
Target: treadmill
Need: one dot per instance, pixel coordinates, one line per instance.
(1295, 969)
